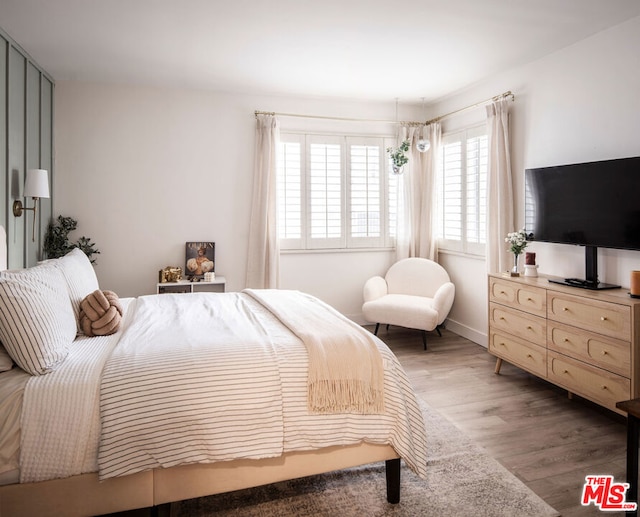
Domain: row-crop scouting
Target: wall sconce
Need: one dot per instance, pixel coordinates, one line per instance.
(36, 186)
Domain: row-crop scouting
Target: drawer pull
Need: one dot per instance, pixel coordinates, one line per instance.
(603, 318)
(529, 327)
(566, 340)
(604, 352)
(604, 387)
(565, 309)
(565, 371)
(529, 299)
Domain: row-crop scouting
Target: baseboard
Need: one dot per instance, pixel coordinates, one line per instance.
(466, 332)
(359, 319)
(453, 326)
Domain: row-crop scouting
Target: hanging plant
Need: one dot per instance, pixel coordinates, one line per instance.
(398, 156)
(56, 240)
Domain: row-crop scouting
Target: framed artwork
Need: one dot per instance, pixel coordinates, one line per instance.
(200, 258)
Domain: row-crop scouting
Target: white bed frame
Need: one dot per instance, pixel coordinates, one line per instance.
(85, 495)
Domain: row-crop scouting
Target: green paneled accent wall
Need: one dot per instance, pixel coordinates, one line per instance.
(26, 142)
(3, 132)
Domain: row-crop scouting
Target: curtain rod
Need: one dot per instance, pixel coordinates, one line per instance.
(472, 106)
(436, 119)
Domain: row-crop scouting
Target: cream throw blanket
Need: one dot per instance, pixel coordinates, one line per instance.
(345, 366)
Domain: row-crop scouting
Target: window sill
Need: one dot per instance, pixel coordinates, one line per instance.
(461, 254)
(336, 250)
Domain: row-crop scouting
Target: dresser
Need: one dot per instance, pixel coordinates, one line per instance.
(584, 341)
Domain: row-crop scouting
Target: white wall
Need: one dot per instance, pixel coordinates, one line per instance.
(144, 170)
(579, 104)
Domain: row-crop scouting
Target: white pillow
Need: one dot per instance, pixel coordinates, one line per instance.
(80, 277)
(37, 324)
(6, 363)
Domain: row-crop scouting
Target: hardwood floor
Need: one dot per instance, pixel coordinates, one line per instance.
(550, 442)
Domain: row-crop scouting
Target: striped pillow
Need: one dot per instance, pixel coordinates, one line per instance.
(80, 277)
(6, 363)
(36, 317)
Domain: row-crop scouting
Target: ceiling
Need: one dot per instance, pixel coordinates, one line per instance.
(365, 49)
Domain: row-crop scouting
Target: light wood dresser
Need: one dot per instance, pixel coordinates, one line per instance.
(582, 340)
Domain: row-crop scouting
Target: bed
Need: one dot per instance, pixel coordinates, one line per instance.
(229, 378)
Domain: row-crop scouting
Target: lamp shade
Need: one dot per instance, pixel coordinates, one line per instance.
(37, 183)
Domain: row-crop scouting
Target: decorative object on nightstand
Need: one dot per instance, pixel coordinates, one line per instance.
(170, 274)
(517, 243)
(199, 259)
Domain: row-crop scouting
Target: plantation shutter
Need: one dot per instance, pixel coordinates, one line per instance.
(289, 192)
(476, 187)
(462, 191)
(365, 193)
(326, 172)
(336, 192)
(451, 194)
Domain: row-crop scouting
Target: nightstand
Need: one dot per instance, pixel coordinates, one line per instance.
(184, 286)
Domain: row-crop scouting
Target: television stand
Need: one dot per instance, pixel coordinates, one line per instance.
(591, 273)
(584, 284)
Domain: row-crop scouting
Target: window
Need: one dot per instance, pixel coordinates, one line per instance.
(335, 192)
(462, 191)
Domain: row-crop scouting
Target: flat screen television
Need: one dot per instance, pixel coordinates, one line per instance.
(594, 204)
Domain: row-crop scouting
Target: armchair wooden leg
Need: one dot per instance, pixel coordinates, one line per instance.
(424, 339)
(438, 330)
(375, 332)
(498, 366)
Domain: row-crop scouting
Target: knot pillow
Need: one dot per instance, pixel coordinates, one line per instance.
(100, 313)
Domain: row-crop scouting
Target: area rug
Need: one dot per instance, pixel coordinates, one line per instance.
(463, 480)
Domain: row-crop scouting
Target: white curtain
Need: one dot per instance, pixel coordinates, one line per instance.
(263, 262)
(414, 235)
(500, 207)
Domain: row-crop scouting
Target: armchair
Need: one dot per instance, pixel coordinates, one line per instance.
(415, 293)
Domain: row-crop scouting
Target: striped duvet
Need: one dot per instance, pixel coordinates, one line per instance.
(214, 377)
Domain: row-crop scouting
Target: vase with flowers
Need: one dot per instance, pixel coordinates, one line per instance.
(517, 243)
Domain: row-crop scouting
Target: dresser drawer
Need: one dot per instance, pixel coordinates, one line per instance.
(518, 323)
(527, 298)
(595, 384)
(532, 358)
(595, 349)
(610, 319)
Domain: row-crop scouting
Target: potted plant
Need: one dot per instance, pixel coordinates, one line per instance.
(56, 240)
(398, 156)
